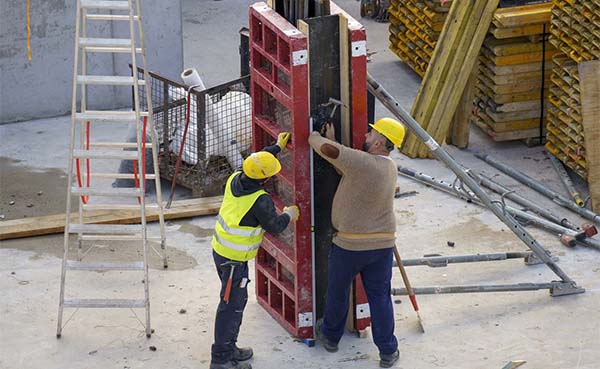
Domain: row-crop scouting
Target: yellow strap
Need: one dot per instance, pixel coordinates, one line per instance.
(362, 236)
(28, 30)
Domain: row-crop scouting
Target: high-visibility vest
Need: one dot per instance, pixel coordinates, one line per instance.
(231, 240)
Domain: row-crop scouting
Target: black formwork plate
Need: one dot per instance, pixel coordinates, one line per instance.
(511, 3)
(324, 77)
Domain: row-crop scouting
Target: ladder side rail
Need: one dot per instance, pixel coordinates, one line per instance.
(82, 127)
(69, 175)
(142, 182)
(153, 134)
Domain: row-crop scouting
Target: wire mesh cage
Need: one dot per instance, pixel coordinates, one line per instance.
(219, 131)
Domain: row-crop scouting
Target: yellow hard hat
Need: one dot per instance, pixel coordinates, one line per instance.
(261, 165)
(391, 129)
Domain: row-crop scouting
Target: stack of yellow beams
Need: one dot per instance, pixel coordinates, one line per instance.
(514, 73)
(415, 27)
(575, 31)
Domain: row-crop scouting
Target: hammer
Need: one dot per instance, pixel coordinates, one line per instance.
(232, 264)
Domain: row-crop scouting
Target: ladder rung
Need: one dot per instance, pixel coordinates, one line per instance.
(123, 145)
(99, 49)
(109, 192)
(108, 229)
(114, 237)
(105, 42)
(78, 265)
(104, 303)
(108, 116)
(117, 206)
(118, 175)
(108, 80)
(95, 4)
(106, 154)
(110, 17)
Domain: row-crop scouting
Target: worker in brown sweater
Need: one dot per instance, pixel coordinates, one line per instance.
(362, 214)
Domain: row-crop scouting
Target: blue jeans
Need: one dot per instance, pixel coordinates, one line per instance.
(229, 315)
(375, 268)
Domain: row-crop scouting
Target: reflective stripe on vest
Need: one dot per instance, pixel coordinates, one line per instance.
(238, 231)
(231, 240)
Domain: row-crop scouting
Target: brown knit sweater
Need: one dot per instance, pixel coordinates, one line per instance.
(363, 206)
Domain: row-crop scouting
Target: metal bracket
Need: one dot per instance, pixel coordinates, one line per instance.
(363, 311)
(533, 259)
(560, 288)
(305, 319)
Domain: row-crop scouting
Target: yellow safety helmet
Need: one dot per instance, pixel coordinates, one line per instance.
(261, 165)
(391, 129)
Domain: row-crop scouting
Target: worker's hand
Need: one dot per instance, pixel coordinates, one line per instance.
(282, 139)
(292, 211)
(328, 131)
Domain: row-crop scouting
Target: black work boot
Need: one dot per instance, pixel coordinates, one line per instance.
(233, 364)
(329, 346)
(242, 353)
(388, 360)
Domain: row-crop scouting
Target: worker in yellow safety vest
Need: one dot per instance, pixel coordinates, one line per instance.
(247, 212)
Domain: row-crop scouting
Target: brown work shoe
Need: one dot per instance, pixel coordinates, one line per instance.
(242, 353)
(233, 364)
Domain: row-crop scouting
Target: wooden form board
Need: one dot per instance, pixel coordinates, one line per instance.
(49, 224)
(523, 15)
(458, 134)
(589, 74)
(531, 30)
(465, 58)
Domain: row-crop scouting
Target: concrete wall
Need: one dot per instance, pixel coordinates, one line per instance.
(42, 87)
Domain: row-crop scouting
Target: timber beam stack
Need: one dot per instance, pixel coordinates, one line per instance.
(575, 31)
(415, 27)
(448, 74)
(514, 74)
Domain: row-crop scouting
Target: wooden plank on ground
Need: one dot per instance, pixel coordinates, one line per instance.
(56, 223)
(589, 75)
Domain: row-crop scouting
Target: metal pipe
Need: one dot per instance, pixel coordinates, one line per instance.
(542, 223)
(506, 192)
(532, 183)
(439, 153)
(566, 180)
(470, 289)
(442, 261)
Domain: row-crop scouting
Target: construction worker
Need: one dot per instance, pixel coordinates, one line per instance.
(246, 213)
(362, 214)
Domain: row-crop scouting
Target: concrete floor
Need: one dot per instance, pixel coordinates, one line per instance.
(463, 331)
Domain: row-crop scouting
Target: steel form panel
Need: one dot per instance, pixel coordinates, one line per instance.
(279, 89)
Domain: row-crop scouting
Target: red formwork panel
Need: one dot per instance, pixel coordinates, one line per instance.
(359, 114)
(279, 89)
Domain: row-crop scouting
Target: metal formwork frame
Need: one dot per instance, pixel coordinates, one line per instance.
(279, 89)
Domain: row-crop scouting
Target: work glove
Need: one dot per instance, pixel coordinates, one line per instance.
(282, 139)
(292, 211)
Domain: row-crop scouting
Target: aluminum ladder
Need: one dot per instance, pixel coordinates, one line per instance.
(81, 118)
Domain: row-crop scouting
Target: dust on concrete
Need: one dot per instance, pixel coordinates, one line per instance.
(102, 251)
(34, 192)
(196, 231)
(474, 229)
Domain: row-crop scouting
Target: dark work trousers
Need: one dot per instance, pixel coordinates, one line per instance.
(229, 315)
(375, 268)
